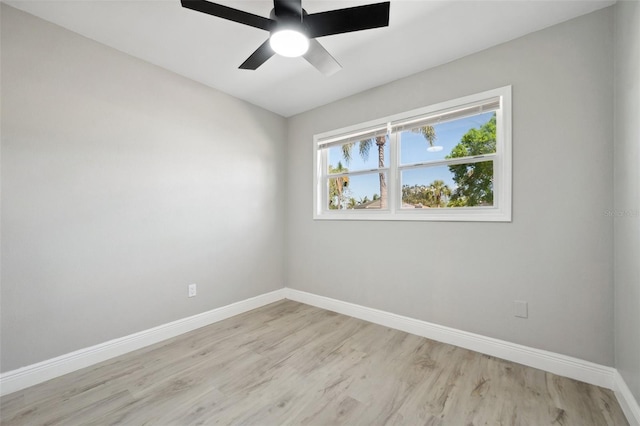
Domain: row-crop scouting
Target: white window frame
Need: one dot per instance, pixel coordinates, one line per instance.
(502, 167)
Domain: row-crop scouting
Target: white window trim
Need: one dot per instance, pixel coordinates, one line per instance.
(499, 212)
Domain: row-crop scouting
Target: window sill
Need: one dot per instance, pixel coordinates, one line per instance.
(470, 214)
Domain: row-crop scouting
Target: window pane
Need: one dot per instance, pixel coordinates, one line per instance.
(363, 155)
(358, 192)
(475, 135)
(463, 185)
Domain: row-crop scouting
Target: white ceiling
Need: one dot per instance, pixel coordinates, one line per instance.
(422, 34)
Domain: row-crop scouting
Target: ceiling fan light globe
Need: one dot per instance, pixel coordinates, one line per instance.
(289, 43)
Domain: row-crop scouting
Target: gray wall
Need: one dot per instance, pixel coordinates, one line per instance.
(627, 193)
(557, 254)
(121, 184)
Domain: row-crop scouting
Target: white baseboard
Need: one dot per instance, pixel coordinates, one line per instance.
(561, 365)
(627, 401)
(24, 377)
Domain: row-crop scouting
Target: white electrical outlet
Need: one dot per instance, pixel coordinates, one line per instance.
(520, 309)
(192, 290)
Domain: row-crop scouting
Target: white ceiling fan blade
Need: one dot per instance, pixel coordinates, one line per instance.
(321, 59)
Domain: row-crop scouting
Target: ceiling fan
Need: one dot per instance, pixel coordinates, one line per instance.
(294, 31)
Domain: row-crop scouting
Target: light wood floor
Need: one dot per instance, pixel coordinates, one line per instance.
(289, 363)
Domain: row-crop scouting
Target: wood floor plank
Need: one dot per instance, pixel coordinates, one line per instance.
(292, 364)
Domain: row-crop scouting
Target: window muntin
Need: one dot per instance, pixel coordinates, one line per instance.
(449, 161)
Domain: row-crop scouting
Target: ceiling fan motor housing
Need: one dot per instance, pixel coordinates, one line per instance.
(289, 21)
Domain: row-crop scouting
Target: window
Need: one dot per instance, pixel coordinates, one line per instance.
(450, 161)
